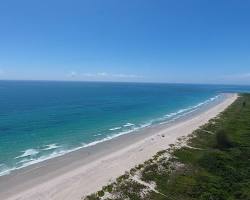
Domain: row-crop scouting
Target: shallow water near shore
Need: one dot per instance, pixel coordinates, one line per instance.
(43, 120)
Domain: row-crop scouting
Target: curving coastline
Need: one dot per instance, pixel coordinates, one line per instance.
(36, 154)
(82, 172)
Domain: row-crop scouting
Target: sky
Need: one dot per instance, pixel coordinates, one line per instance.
(173, 41)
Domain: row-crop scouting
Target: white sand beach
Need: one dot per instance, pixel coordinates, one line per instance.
(80, 173)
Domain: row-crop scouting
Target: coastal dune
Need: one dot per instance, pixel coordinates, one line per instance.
(80, 173)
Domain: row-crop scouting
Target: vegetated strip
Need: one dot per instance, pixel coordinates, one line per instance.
(203, 166)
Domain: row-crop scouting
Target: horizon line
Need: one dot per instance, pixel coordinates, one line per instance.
(103, 81)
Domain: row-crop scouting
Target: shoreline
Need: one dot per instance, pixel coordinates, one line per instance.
(82, 172)
(174, 117)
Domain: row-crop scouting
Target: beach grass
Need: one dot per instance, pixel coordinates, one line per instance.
(213, 163)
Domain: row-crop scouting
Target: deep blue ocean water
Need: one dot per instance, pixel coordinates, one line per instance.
(41, 120)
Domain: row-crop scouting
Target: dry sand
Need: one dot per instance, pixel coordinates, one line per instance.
(79, 173)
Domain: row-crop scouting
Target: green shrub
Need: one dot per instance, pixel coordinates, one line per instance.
(218, 170)
(244, 104)
(100, 193)
(222, 140)
(92, 197)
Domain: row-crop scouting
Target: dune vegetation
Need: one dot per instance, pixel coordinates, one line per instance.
(213, 163)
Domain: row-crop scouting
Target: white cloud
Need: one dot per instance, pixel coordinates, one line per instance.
(247, 75)
(103, 74)
(126, 76)
(88, 75)
(73, 74)
(107, 75)
(243, 76)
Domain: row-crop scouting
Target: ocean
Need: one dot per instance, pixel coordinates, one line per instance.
(40, 120)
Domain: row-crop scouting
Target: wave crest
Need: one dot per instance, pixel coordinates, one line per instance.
(28, 152)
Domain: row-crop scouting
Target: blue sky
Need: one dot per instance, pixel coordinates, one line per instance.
(191, 41)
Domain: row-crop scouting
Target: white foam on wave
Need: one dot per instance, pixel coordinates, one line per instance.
(179, 116)
(146, 125)
(4, 170)
(51, 146)
(28, 152)
(99, 134)
(109, 137)
(128, 125)
(190, 108)
(116, 128)
(25, 160)
(31, 160)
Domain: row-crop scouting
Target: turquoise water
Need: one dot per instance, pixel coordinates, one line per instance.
(41, 120)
